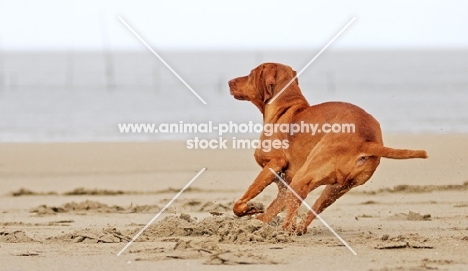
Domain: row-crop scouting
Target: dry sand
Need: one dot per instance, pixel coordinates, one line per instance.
(74, 206)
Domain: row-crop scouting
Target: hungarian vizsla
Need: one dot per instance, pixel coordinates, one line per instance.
(339, 160)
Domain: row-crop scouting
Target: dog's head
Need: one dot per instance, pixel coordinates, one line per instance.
(263, 83)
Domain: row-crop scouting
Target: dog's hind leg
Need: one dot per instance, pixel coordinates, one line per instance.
(319, 169)
(329, 195)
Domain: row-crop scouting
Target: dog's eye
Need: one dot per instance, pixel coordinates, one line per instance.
(361, 160)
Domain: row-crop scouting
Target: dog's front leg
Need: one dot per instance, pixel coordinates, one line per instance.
(243, 206)
(277, 205)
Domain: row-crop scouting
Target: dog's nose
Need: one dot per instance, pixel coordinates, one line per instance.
(231, 83)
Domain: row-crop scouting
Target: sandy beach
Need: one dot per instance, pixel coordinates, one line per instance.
(74, 206)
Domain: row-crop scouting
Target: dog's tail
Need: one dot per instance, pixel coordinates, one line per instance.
(375, 149)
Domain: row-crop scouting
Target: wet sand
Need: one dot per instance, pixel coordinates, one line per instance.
(76, 205)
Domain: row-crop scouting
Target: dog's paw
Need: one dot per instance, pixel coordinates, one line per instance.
(255, 208)
(289, 226)
(301, 229)
(249, 208)
(293, 228)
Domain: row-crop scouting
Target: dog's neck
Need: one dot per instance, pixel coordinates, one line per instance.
(290, 99)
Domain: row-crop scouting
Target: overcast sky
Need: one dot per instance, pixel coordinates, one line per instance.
(225, 25)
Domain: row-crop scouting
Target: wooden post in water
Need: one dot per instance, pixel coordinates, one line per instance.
(69, 71)
(6, 77)
(156, 76)
(108, 63)
(330, 77)
(222, 83)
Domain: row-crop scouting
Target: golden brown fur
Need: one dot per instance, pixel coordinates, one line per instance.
(340, 161)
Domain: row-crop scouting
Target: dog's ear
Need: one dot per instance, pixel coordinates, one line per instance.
(294, 75)
(269, 74)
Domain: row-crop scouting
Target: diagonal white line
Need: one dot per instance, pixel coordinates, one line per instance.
(162, 60)
(162, 210)
(313, 59)
(317, 215)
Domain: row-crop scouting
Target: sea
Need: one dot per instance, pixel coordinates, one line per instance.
(83, 96)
